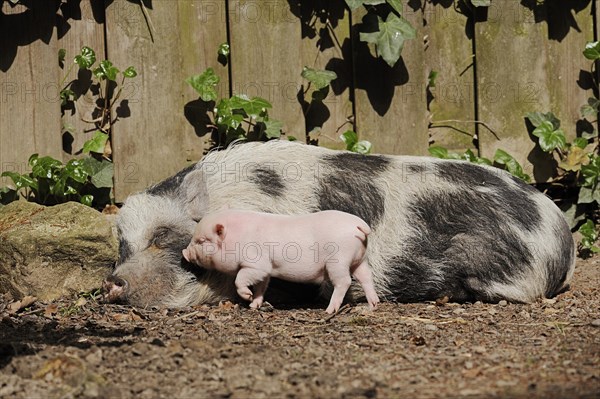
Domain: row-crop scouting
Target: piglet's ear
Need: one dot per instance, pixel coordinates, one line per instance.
(220, 231)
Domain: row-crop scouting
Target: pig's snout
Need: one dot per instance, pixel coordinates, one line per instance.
(114, 288)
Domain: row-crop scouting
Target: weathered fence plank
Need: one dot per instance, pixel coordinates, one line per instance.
(29, 94)
(85, 30)
(524, 66)
(326, 45)
(179, 39)
(450, 53)
(390, 103)
(266, 57)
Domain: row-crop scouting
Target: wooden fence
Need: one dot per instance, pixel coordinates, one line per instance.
(494, 65)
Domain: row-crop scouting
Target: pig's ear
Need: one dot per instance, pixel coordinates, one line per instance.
(220, 231)
(195, 194)
(186, 254)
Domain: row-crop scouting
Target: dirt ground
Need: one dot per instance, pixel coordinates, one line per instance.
(78, 347)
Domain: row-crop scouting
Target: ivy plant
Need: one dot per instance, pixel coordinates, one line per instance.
(237, 117)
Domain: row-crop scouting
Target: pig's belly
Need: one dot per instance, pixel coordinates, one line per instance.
(301, 272)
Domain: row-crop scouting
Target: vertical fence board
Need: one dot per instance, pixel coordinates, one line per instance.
(161, 135)
(83, 31)
(29, 100)
(266, 57)
(450, 54)
(524, 66)
(390, 103)
(326, 45)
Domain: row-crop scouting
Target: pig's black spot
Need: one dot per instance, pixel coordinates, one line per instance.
(514, 202)
(350, 186)
(415, 168)
(125, 250)
(268, 181)
(460, 245)
(171, 184)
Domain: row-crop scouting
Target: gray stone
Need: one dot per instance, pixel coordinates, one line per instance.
(53, 251)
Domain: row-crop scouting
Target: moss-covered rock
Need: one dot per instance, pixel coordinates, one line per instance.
(48, 252)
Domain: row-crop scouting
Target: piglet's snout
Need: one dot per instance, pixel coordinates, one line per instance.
(114, 288)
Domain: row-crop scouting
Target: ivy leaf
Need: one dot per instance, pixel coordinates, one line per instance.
(574, 159)
(537, 118)
(66, 95)
(350, 138)
(273, 129)
(76, 171)
(87, 200)
(580, 142)
(101, 172)
(319, 78)
(588, 195)
(62, 54)
(362, 147)
(20, 181)
(390, 38)
(591, 172)
(130, 72)
(431, 78)
(396, 5)
(106, 70)
(96, 144)
(592, 51)
(252, 106)
(438, 152)
(549, 138)
(86, 59)
(44, 166)
(512, 165)
(481, 3)
(205, 84)
(589, 236)
(224, 49)
(591, 108)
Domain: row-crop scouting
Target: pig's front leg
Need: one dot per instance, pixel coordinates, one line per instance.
(247, 277)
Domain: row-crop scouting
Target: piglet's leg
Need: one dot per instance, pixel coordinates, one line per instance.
(363, 275)
(259, 293)
(248, 277)
(341, 280)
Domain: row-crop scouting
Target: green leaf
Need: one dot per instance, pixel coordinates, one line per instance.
(390, 38)
(350, 138)
(86, 59)
(101, 172)
(588, 195)
(130, 72)
(431, 78)
(320, 95)
(87, 200)
(66, 95)
(580, 142)
(318, 77)
(44, 167)
(501, 157)
(396, 5)
(591, 108)
(438, 152)
(481, 3)
(205, 84)
(62, 54)
(292, 138)
(362, 147)
(549, 138)
(231, 121)
(589, 235)
(252, 106)
(75, 170)
(537, 118)
(96, 144)
(273, 129)
(20, 181)
(106, 70)
(8, 195)
(224, 49)
(591, 172)
(592, 51)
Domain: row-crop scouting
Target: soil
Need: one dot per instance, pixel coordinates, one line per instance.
(80, 347)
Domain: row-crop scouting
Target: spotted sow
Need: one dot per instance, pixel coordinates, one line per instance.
(439, 227)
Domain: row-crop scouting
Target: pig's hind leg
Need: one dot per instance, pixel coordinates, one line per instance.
(341, 280)
(250, 277)
(362, 274)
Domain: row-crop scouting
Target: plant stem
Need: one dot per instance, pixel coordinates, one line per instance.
(468, 121)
